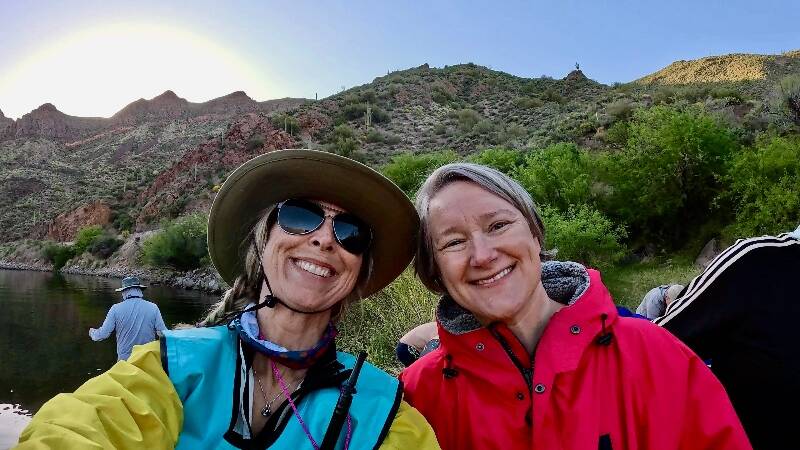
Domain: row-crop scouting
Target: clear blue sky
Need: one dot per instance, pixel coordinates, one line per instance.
(308, 47)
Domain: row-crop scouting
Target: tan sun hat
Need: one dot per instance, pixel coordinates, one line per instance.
(283, 174)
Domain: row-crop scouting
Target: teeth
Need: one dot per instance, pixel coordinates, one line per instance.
(501, 274)
(315, 269)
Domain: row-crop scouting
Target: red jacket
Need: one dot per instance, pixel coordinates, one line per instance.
(642, 390)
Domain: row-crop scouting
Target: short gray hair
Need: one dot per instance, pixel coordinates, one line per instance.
(487, 178)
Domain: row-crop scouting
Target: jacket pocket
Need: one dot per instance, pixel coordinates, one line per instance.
(605, 442)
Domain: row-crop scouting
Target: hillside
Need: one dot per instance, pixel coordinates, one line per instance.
(164, 157)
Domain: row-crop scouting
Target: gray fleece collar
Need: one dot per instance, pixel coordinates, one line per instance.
(564, 282)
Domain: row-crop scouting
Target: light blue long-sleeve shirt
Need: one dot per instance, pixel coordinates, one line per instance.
(135, 320)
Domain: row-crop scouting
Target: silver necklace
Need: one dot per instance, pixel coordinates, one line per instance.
(267, 409)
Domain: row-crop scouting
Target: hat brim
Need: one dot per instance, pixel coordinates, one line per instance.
(128, 287)
(279, 175)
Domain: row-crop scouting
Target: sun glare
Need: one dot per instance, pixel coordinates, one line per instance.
(98, 71)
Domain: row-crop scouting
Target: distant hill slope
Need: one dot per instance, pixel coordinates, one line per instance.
(163, 157)
(753, 73)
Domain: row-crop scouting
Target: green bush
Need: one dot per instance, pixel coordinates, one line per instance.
(483, 126)
(343, 141)
(789, 97)
(86, 237)
(527, 102)
(765, 188)
(255, 142)
(504, 160)
(379, 115)
(408, 171)
(557, 176)
(467, 118)
(551, 95)
(584, 235)
(617, 133)
(620, 109)
(58, 254)
(354, 111)
(104, 246)
(180, 245)
(441, 93)
(666, 177)
(123, 221)
(374, 136)
(286, 122)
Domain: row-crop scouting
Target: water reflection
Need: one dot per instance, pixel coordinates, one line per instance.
(44, 330)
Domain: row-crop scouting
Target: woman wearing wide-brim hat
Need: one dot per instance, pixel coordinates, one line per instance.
(299, 235)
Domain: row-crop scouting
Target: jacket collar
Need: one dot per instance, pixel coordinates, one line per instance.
(564, 282)
(568, 333)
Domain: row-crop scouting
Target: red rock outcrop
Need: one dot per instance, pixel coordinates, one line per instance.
(47, 121)
(6, 125)
(250, 135)
(64, 227)
(165, 106)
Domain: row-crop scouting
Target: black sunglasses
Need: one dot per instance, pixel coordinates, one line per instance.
(302, 217)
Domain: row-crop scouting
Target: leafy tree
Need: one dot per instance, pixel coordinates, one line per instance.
(558, 175)
(180, 245)
(585, 235)
(86, 237)
(667, 176)
(409, 171)
(765, 188)
(504, 160)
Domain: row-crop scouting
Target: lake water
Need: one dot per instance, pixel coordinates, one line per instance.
(44, 335)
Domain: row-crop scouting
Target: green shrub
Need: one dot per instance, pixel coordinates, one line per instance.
(255, 142)
(376, 324)
(391, 139)
(374, 136)
(343, 141)
(667, 176)
(504, 160)
(439, 129)
(467, 118)
(617, 133)
(765, 188)
(558, 176)
(180, 245)
(354, 111)
(58, 254)
(408, 171)
(527, 102)
(123, 221)
(551, 95)
(584, 235)
(104, 246)
(441, 93)
(483, 126)
(379, 115)
(789, 97)
(286, 123)
(620, 109)
(86, 237)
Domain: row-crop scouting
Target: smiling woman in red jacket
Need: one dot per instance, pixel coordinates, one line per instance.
(533, 354)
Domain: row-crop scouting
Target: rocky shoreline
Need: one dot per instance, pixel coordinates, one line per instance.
(206, 279)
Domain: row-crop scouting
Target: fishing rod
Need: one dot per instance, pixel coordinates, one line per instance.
(343, 405)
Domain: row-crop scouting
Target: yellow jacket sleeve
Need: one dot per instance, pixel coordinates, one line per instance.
(132, 405)
(409, 430)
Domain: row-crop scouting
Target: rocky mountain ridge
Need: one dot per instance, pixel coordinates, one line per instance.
(164, 157)
(48, 122)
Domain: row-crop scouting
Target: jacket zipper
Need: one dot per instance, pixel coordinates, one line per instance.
(527, 372)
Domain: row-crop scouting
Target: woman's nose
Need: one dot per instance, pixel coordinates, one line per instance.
(323, 236)
(483, 252)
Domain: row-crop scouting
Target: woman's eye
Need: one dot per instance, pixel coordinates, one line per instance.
(499, 225)
(453, 243)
